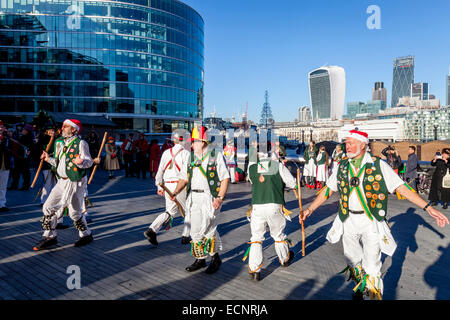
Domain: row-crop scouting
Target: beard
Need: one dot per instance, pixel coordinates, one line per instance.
(66, 135)
(353, 155)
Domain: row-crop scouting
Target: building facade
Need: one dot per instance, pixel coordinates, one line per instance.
(403, 77)
(379, 92)
(304, 114)
(426, 125)
(420, 90)
(327, 93)
(139, 63)
(448, 90)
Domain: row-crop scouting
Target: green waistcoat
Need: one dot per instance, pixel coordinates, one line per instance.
(375, 192)
(73, 172)
(323, 159)
(271, 189)
(211, 174)
(310, 154)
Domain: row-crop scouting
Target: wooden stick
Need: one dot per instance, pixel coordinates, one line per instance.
(42, 161)
(301, 211)
(171, 195)
(98, 156)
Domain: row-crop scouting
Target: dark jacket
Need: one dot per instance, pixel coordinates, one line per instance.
(393, 160)
(437, 193)
(411, 167)
(5, 153)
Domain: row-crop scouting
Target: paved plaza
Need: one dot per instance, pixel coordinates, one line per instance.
(122, 264)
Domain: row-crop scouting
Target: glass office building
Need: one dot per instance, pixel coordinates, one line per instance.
(327, 92)
(403, 77)
(138, 62)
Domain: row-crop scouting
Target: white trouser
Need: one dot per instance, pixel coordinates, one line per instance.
(272, 215)
(232, 171)
(203, 218)
(49, 179)
(66, 194)
(361, 245)
(172, 209)
(4, 175)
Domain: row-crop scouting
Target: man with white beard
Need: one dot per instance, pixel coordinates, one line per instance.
(363, 182)
(71, 160)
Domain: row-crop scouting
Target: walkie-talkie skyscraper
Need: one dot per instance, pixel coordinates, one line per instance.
(266, 121)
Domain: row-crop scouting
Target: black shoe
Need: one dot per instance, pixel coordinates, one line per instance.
(84, 241)
(62, 226)
(358, 296)
(185, 240)
(198, 264)
(445, 206)
(4, 209)
(45, 243)
(255, 276)
(214, 264)
(151, 236)
(291, 257)
(110, 177)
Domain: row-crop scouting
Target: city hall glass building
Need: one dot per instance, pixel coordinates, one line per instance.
(137, 62)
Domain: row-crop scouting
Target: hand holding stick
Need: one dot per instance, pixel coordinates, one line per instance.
(42, 161)
(301, 211)
(172, 196)
(98, 156)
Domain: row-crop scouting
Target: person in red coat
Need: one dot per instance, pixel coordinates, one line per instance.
(155, 156)
(141, 148)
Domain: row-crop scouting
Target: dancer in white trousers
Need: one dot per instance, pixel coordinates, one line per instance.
(71, 160)
(206, 179)
(173, 160)
(268, 178)
(363, 183)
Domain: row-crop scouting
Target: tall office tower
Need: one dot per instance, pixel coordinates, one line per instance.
(327, 92)
(448, 89)
(420, 90)
(379, 92)
(403, 77)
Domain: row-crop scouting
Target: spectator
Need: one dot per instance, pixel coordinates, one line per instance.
(127, 151)
(141, 149)
(5, 165)
(309, 169)
(167, 145)
(411, 168)
(21, 154)
(48, 175)
(94, 143)
(392, 158)
(437, 192)
(322, 167)
(155, 156)
(111, 160)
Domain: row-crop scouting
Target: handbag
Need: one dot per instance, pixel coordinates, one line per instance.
(446, 180)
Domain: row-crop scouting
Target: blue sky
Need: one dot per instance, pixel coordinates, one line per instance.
(257, 45)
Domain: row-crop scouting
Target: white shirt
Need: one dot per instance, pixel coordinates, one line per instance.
(172, 174)
(391, 179)
(84, 155)
(285, 174)
(198, 180)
